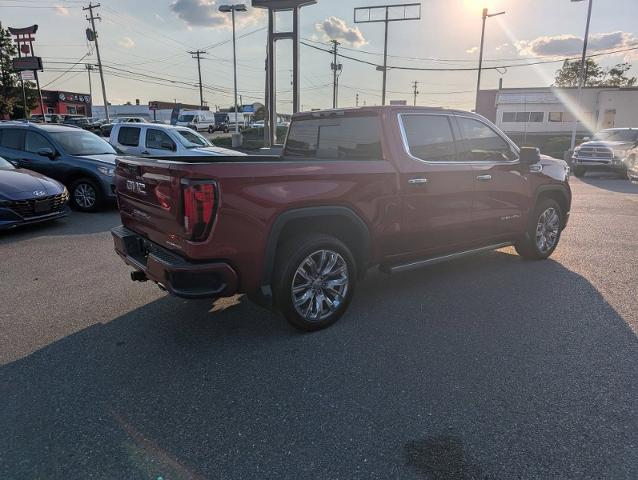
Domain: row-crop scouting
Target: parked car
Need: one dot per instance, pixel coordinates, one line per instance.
(609, 151)
(398, 187)
(153, 140)
(198, 120)
(81, 160)
(50, 118)
(27, 197)
(87, 123)
(105, 129)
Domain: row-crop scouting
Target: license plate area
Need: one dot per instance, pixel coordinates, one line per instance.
(42, 206)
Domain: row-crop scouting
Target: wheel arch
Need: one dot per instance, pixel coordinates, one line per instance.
(338, 221)
(557, 193)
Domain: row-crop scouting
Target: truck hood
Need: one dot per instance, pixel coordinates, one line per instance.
(22, 180)
(612, 145)
(216, 151)
(555, 168)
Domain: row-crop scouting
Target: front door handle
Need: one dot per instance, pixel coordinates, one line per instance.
(484, 178)
(417, 181)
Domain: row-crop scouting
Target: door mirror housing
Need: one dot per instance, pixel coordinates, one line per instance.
(530, 155)
(47, 152)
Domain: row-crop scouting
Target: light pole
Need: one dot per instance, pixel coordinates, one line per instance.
(486, 15)
(238, 7)
(581, 76)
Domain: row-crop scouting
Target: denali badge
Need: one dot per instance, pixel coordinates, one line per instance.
(137, 187)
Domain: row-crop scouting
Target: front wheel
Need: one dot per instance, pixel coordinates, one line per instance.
(315, 281)
(86, 195)
(543, 232)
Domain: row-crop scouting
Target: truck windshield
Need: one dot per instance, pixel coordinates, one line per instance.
(617, 136)
(80, 142)
(185, 118)
(335, 138)
(190, 139)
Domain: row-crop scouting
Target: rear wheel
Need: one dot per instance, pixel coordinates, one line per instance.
(86, 195)
(315, 281)
(543, 232)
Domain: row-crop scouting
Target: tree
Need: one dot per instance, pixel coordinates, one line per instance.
(11, 101)
(595, 76)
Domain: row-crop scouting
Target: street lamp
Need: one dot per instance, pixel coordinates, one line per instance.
(581, 76)
(238, 7)
(486, 15)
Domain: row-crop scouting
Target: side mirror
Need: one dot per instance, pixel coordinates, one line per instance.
(530, 155)
(46, 152)
(168, 146)
(586, 139)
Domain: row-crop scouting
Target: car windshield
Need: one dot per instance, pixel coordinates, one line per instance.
(617, 136)
(191, 139)
(81, 142)
(185, 118)
(5, 165)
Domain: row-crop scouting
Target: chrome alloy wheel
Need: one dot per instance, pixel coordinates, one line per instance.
(84, 195)
(320, 285)
(547, 230)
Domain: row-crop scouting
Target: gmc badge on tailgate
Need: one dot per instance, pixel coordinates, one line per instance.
(136, 187)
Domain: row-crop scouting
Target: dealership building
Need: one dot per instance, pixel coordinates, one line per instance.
(551, 111)
(66, 103)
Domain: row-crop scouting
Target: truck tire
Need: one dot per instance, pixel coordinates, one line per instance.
(86, 195)
(579, 172)
(315, 279)
(543, 233)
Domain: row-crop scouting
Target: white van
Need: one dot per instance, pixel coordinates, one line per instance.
(199, 120)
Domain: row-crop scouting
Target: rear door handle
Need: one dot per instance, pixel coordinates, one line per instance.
(417, 181)
(484, 178)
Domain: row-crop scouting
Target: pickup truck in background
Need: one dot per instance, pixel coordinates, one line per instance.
(394, 187)
(611, 150)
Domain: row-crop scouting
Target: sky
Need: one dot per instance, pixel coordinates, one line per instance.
(144, 46)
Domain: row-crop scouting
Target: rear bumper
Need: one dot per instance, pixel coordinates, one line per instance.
(177, 275)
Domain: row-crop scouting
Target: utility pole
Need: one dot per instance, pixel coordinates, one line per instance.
(485, 16)
(92, 18)
(336, 68)
(89, 67)
(581, 75)
(197, 54)
(357, 100)
(415, 85)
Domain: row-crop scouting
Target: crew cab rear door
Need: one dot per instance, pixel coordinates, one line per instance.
(437, 189)
(129, 138)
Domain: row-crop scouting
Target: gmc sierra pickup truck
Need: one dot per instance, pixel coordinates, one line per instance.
(394, 187)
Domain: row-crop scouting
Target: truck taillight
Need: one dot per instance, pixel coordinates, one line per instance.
(199, 209)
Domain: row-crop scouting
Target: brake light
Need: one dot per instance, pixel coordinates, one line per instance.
(199, 208)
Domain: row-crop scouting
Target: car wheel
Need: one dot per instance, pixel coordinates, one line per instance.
(315, 279)
(579, 172)
(86, 195)
(544, 231)
(211, 129)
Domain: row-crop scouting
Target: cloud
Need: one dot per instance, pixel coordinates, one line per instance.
(570, 45)
(204, 13)
(334, 28)
(472, 50)
(60, 10)
(126, 42)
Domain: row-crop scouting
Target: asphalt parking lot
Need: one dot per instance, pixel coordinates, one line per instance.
(485, 368)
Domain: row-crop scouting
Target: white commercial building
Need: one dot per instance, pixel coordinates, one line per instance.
(553, 111)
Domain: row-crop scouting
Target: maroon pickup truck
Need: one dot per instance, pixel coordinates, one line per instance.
(394, 187)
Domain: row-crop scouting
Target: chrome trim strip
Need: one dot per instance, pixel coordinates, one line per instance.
(406, 146)
(445, 258)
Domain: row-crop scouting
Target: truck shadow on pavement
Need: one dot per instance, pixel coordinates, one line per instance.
(488, 367)
(610, 182)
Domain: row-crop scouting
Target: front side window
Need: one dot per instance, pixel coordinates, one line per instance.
(335, 138)
(35, 141)
(191, 139)
(129, 136)
(429, 137)
(12, 138)
(185, 118)
(482, 144)
(159, 140)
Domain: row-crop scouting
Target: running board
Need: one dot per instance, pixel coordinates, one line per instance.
(434, 260)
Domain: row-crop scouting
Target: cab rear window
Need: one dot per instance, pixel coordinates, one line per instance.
(129, 136)
(335, 138)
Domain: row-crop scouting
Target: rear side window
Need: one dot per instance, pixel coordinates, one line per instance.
(482, 144)
(429, 137)
(335, 138)
(159, 140)
(12, 138)
(129, 136)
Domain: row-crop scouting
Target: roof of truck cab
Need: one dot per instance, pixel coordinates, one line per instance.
(380, 109)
